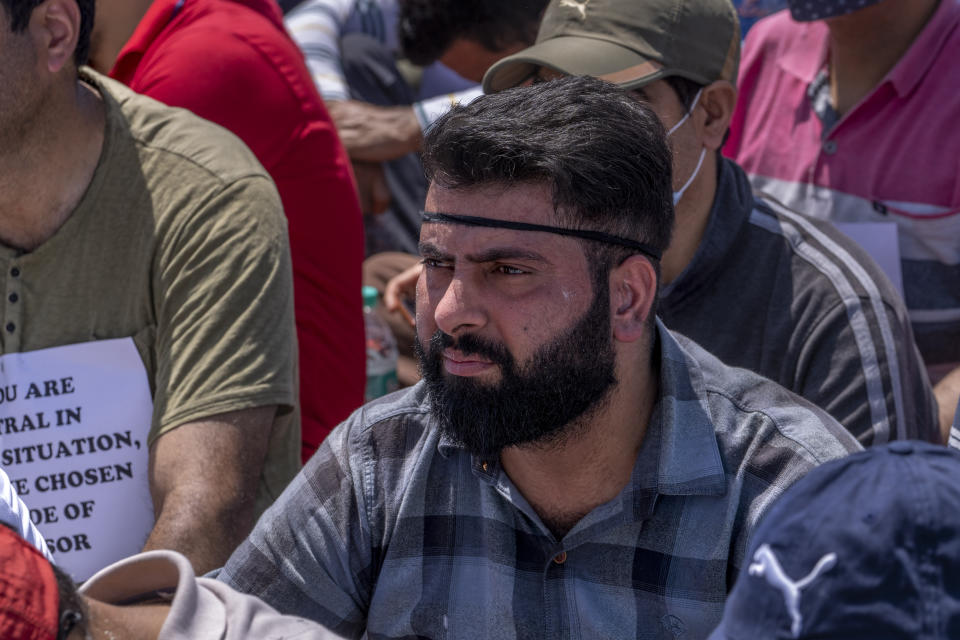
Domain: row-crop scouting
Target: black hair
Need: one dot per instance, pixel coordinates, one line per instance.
(685, 88)
(19, 12)
(603, 154)
(427, 28)
(73, 612)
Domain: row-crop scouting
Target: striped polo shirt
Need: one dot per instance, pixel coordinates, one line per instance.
(392, 530)
(891, 159)
(795, 300)
(318, 25)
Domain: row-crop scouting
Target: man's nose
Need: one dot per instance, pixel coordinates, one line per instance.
(460, 307)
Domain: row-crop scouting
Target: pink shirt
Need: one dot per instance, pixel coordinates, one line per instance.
(894, 157)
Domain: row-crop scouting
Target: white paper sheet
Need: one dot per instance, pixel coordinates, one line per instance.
(73, 439)
(880, 240)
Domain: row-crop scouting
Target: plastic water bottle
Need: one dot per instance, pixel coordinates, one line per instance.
(381, 349)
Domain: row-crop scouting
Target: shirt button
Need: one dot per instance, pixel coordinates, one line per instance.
(560, 558)
(15, 272)
(11, 327)
(830, 147)
(13, 297)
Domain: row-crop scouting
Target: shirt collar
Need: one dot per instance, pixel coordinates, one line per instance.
(689, 457)
(486, 468)
(679, 454)
(806, 53)
(925, 50)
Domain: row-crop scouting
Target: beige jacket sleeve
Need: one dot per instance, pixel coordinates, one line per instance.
(200, 607)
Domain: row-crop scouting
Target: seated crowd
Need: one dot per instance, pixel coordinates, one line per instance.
(679, 330)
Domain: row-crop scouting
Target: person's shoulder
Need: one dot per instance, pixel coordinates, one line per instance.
(778, 35)
(376, 418)
(761, 424)
(304, 16)
(775, 30)
(388, 433)
(169, 137)
(822, 259)
(247, 35)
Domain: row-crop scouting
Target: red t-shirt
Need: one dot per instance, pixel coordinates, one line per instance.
(232, 62)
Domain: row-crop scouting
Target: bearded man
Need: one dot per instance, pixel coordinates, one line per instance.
(568, 468)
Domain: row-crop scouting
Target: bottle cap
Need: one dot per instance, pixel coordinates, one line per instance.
(370, 295)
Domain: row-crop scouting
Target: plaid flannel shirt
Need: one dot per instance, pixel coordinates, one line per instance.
(392, 530)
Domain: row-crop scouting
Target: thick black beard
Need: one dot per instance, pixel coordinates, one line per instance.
(541, 404)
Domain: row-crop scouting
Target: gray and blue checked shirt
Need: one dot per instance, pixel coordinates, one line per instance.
(392, 530)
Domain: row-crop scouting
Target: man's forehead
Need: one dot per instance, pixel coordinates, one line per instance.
(447, 230)
(531, 214)
(443, 237)
(520, 202)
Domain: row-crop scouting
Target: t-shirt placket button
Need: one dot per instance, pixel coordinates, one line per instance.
(13, 310)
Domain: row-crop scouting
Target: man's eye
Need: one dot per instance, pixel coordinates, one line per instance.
(510, 271)
(434, 263)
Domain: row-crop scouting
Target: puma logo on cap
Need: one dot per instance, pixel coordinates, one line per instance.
(579, 6)
(765, 564)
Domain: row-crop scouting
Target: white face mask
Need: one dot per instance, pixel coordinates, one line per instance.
(677, 195)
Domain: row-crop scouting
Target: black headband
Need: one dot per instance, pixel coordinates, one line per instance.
(596, 236)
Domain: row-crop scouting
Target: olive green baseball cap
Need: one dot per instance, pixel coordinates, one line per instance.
(629, 43)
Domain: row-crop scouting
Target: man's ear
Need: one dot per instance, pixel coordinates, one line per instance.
(633, 290)
(55, 29)
(718, 100)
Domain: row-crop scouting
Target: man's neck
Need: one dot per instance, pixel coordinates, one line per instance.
(112, 32)
(867, 44)
(44, 175)
(565, 482)
(691, 217)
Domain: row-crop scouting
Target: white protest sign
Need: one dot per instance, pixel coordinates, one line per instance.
(73, 439)
(882, 242)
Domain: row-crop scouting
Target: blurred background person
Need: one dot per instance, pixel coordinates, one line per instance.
(351, 47)
(232, 62)
(848, 112)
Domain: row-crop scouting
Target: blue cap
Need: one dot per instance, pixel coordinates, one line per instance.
(810, 10)
(862, 548)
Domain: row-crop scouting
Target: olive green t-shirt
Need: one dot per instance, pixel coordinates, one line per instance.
(180, 243)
